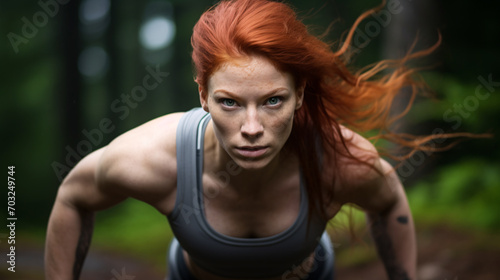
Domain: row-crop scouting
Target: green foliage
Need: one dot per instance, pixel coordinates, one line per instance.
(465, 194)
(134, 228)
(460, 99)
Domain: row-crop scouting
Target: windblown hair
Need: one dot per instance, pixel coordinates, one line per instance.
(333, 94)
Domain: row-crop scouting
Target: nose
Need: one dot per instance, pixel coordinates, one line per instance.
(252, 126)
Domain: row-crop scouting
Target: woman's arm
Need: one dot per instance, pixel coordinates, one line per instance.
(378, 190)
(140, 164)
(71, 222)
(393, 230)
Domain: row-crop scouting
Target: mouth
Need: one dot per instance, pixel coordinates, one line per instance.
(252, 151)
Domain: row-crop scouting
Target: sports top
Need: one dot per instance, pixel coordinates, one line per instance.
(220, 254)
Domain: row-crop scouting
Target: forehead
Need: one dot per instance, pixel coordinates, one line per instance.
(251, 71)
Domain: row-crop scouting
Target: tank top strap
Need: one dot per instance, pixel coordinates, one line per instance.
(188, 132)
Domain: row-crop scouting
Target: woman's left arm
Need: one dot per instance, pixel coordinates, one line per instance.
(391, 226)
(376, 188)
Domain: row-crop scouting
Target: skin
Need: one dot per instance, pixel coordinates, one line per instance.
(252, 105)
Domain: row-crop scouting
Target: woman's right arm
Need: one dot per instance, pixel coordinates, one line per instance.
(71, 222)
(140, 164)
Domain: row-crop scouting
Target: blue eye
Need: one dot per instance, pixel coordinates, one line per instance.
(228, 102)
(274, 100)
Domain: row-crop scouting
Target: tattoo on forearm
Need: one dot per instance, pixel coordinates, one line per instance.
(83, 243)
(402, 220)
(386, 249)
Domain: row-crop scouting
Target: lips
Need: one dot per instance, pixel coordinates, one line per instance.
(252, 151)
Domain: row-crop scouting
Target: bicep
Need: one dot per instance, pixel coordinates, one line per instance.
(379, 189)
(368, 180)
(81, 188)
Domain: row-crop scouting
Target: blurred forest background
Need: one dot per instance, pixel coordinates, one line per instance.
(74, 75)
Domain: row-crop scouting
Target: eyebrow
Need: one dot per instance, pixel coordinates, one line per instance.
(274, 91)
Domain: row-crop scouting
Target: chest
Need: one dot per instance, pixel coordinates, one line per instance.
(266, 212)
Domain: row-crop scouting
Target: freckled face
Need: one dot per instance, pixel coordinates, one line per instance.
(252, 105)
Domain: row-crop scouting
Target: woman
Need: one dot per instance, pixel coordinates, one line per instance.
(249, 181)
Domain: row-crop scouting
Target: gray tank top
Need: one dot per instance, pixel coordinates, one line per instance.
(220, 254)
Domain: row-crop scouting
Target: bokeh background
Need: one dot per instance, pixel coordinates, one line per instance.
(72, 78)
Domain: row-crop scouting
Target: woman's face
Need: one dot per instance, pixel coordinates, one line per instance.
(252, 105)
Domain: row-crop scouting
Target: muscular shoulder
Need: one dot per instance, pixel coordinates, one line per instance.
(362, 175)
(141, 163)
(358, 150)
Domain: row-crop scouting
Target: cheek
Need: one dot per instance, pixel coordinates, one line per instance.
(224, 129)
(282, 126)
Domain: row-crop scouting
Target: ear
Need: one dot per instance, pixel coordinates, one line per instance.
(300, 95)
(203, 99)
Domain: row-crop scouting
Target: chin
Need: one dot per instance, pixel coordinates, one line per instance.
(252, 164)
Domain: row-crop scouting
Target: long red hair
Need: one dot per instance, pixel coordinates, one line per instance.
(333, 96)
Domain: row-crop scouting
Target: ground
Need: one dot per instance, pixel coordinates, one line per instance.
(444, 254)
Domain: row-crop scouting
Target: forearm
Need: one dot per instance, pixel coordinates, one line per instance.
(68, 238)
(394, 236)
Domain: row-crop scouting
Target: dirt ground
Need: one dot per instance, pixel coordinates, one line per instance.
(444, 254)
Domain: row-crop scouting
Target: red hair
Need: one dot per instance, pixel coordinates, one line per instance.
(333, 95)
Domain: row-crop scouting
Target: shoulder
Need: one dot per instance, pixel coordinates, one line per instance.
(352, 156)
(141, 163)
(362, 175)
(357, 157)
